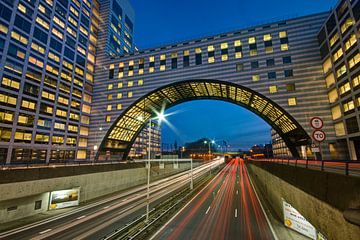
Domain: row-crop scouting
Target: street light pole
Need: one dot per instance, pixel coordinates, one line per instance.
(148, 174)
(191, 181)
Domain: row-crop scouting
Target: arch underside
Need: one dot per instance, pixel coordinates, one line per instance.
(121, 135)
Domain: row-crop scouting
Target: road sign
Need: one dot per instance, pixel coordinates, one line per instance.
(319, 135)
(316, 123)
(315, 149)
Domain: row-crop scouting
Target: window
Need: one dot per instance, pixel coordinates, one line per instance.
(354, 60)
(347, 24)
(119, 96)
(27, 104)
(238, 49)
(333, 96)
(288, 73)
(287, 60)
(254, 65)
(110, 86)
(334, 39)
(198, 57)
(256, 78)
(252, 40)
(356, 81)
(292, 102)
(336, 112)
(42, 23)
(108, 118)
(224, 51)
(327, 65)
(130, 94)
(350, 41)
(290, 87)
(270, 62)
(119, 106)
(162, 62)
(273, 89)
(271, 75)
(239, 67)
(130, 83)
(186, 60)
(140, 82)
(109, 107)
(340, 71)
(344, 88)
(174, 60)
(339, 129)
(211, 54)
(348, 106)
(330, 80)
(282, 34)
(131, 68)
(109, 97)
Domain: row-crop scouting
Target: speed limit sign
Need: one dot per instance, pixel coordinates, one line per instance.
(319, 135)
(316, 123)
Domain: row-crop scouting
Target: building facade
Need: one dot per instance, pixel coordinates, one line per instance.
(339, 40)
(68, 70)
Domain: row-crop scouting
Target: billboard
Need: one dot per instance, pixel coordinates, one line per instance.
(64, 198)
(294, 220)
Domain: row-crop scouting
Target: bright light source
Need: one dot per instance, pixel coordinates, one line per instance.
(161, 116)
(212, 141)
(95, 147)
(205, 142)
(140, 118)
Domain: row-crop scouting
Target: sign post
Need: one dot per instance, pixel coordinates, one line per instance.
(318, 135)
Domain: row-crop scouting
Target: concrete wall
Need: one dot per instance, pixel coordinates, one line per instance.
(23, 195)
(320, 197)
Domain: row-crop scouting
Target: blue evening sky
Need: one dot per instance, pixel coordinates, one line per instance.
(160, 22)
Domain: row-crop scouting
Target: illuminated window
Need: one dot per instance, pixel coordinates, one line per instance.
(341, 71)
(109, 107)
(273, 89)
(28, 104)
(350, 41)
(224, 51)
(108, 118)
(22, 8)
(252, 40)
(59, 22)
(6, 116)
(354, 61)
(119, 106)
(348, 106)
(119, 96)
(211, 54)
(267, 37)
(356, 81)
(10, 83)
(333, 96)
(120, 85)
(282, 34)
(238, 49)
(130, 94)
(336, 112)
(256, 78)
(339, 129)
(48, 95)
(330, 80)
(141, 65)
(327, 65)
(347, 24)
(334, 39)
(198, 56)
(130, 83)
(151, 64)
(292, 102)
(344, 88)
(121, 70)
(19, 37)
(86, 108)
(338, 54)
(60, 126)
(109, 97)
(84, 131)
(3, 29)
(284, 47)
(82, 142)
(110, 86)
(162, 62)
(140, 82)
(42, 23)
(37, 48)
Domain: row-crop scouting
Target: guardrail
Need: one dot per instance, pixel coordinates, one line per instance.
(341, 167)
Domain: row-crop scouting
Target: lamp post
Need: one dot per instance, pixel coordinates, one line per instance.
(209, 142)
(160, 116)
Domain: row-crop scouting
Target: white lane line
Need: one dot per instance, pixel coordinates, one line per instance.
(45, 231)
(236, 212)
(125, 199)
(237, 192)
(106, 207)
(207, 211)
(81, 217)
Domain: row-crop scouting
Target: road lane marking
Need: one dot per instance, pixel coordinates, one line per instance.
(236, 213)
(81, 217)
(45, 231)
(106, 207)
(237, 192)
(207, 211)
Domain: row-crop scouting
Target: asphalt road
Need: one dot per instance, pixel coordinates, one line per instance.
(226, 209)
(97, 220)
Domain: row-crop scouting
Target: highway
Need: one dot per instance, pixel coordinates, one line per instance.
(227, 208)
(98, 219)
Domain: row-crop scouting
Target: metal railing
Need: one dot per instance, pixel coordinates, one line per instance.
(346, 167)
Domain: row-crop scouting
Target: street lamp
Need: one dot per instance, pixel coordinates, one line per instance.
(160, 117)
(209, 142)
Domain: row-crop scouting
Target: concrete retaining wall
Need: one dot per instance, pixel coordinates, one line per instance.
(17, 199)
(320, 197)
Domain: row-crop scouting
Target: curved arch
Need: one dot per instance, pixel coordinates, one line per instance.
(123, 132)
